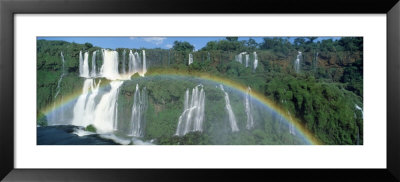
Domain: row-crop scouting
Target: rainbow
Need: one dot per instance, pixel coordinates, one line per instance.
(217, 79)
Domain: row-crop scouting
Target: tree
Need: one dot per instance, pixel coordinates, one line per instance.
(327, 45)
(252, 44)
(232, 39)
(277, 44)
(182, 46)
(351, 43)
(268, 43)
(225, 45)
(311, 39)
(88, 45)
(299, 41)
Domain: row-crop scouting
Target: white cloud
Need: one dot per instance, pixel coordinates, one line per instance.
(155, 40)
(132, 38)
(169, 46)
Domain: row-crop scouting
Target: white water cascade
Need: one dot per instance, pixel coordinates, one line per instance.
(105, 114)
(291, 126)
(85, 105)
(360, 109)
(239, 57)
(80, 63)
(137, 59)
(61, 77)
(123, 62)
(93, 73)
(84, 65)
(144, 69)
(297, 62)
(248, 109)
(193, 112)
(99, 108)
(280, 123)
(138, 112)
(57, 116)
(247, 60)
(255, 60)
(109, 69)
(190, 61)
(133, 63)
(232, 118)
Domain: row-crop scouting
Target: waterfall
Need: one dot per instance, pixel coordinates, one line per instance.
(360, 109)
(61, 77)
(137, 61)
(132, 63)
(93, 73)
(291, 126)
(138, 112)
(105, 114)
(123, 62)
(100, 110)
(255, 60)
(190, 58)
(232, 119)
(109, 69)
(280, 122)
(85, 72)
(297, 62)
(57, 115)
(144, 69)
(248, 106)
(193, 112)
(358, 129)
(239, 57)
(91, 102)
(84, 65)
(247, 60)
(80, 63)
(84, 107)
(291, 129)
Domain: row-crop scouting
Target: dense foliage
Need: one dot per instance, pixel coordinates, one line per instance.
(323, 95)
(182, 46)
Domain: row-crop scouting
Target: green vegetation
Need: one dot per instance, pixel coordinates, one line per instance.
(90, 128)
(182, 46)
(322, 96)
(41, 119)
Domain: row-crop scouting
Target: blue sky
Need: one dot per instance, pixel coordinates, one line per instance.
(148, 42)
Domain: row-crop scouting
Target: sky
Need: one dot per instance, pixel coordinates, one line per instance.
(150, 42)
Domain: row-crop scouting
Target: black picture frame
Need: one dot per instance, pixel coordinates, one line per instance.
(9, 8)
